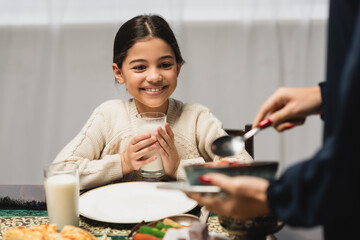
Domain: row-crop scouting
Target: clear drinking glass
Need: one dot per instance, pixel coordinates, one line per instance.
(62, 193)
(149, 122)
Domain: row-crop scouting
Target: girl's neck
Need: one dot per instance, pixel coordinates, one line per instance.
(143, 108)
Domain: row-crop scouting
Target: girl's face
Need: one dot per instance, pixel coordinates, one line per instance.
(150, 73)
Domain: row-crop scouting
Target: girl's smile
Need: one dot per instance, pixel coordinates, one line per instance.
(150, 73)
(154, 90)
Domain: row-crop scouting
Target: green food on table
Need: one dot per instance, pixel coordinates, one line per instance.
(152, 231)
(162, 226)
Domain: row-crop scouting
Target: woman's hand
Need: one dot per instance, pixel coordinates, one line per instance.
(167, 150)
(132, 157)
(246, 196)
(289, 107)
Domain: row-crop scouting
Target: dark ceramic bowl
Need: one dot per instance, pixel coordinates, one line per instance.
(255, 228)
(264, 169)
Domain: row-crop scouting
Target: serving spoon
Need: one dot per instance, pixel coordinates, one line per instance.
(229, 146)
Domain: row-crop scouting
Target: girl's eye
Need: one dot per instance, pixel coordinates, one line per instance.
(165, 65)
(139, 67)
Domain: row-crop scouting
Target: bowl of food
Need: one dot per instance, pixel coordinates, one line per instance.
(254, 228)
(182, 226)
(264, 169)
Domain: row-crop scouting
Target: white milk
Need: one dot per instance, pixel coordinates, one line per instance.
(157, 164)
(62, 200)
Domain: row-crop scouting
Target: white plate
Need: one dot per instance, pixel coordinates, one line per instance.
(187, 188)
(133, 202)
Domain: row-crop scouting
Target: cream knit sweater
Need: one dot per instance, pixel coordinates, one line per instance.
(97, 148)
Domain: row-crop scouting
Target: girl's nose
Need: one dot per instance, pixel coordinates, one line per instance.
(154, 76)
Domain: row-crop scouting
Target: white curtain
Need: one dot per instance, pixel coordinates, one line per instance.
(56, 56)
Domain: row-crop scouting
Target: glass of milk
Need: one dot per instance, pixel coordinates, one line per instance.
(148, 122)
(62, 193)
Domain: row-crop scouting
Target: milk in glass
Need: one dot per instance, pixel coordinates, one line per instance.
(149, 122)
(62, 194)
(157, 164)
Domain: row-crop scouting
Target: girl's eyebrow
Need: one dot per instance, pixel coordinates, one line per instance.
(137, 60)
(143, 60)
(167, 56)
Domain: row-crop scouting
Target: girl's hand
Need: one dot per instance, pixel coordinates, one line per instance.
(167, 150)
(140, 145)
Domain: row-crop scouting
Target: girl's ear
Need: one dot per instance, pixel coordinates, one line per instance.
(178, 68)
(117, 73)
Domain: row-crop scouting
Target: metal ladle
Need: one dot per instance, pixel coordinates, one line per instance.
(229, 146)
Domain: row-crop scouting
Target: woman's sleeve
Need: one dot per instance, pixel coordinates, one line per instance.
(323, 90)
(85, 150)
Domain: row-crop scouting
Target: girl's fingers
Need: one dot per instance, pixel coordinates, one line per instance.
(161, 151)
(163, 146)
(139, 138)
(142, 162)
(142, 152)
(169, 130)
(144, 143)
(163, 140)
(161, 132)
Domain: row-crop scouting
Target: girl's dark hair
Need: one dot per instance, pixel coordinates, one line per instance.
(141, 27)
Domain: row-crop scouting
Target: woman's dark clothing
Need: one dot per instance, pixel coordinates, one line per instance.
(324, 189)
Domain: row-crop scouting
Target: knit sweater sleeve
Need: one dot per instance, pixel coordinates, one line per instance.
(208, 128)
(86, 150)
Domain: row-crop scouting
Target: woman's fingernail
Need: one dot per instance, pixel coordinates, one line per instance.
(290, 126)
(264, 123)
(204, 179)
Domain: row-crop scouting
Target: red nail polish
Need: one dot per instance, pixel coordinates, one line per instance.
(265, 123)
(290, 126)
(205, 179)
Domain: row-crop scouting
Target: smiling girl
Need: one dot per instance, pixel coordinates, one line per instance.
(147, 60)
